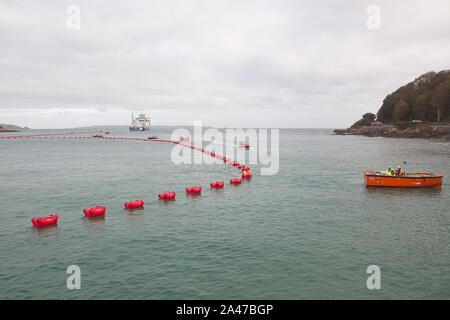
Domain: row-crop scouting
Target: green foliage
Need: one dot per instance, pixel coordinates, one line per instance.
(402, 111)
(369, 117)
(420, 107)
(366, 120)
(427, 98)
(441, 101)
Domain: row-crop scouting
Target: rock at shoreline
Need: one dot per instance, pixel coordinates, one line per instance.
(419, 109)
(391, 131)
(11, 128)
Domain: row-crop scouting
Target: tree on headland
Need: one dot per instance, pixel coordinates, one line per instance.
(369, 117)
(401, 111)
(427, 98)
(441, 101)
(420, 107)
(367, 120)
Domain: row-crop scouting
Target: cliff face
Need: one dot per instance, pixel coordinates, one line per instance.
(420, 131)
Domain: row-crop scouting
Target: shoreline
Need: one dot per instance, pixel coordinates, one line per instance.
(441, 132)
(11, 128)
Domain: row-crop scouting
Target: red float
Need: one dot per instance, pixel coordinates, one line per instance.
(194, 190)
(134, 204)
(45, 221)
(217, 184)
(94, 212)
(167, 196)
(246, 172)
(235, 181)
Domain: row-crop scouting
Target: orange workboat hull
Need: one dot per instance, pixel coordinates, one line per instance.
(408, 180)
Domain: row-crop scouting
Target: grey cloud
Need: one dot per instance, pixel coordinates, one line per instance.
(235, 63)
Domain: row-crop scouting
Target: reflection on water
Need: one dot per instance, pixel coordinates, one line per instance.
(166, 203)
(194, 197)
(135, 211)
(135, 214)
(94, 224)
(45, 232)
(168, 207)
(135, 218)
(217, 191)
(387, 191)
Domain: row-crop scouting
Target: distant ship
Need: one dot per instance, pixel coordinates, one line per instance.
(141, 123)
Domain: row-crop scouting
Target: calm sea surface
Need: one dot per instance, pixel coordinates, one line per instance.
(308, 232)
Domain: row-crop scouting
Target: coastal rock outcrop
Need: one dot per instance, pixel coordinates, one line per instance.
(392, 131)
(419, 109)
(11, 128)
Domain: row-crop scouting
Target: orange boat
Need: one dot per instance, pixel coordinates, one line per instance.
(407, 180)
(244, 145)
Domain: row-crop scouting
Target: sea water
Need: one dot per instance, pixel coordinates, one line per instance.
(308, 232)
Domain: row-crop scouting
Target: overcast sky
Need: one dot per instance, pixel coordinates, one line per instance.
(236, 63)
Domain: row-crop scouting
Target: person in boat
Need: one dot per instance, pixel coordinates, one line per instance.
(399, 171)
(390, 171)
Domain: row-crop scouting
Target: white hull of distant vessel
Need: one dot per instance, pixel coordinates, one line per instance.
(141, 123)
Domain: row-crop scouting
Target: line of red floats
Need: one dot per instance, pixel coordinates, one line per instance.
(246, 171)
(100, 210)
(136, 204)
(58, 136)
